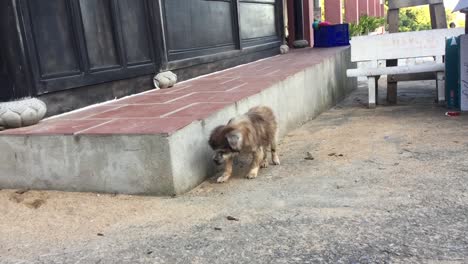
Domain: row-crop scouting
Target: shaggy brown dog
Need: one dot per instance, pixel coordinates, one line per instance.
(253, 133)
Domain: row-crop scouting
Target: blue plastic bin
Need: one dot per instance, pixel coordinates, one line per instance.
(331, 36)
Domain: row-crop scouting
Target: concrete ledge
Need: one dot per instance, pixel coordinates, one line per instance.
(165, 163)
(117, 163)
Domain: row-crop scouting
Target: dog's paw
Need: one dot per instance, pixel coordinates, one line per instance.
(264, 164)
(251, 175)
(223, 178)
(276, 161)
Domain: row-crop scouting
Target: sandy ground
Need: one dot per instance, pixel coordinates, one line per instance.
(384, 186)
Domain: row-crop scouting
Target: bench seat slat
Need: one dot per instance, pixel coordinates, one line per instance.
(428, 67)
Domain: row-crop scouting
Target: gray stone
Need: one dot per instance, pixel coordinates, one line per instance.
(21, 113)
(29, 117)
(284, 49)
(10, 119)
(165, 80)
(301, 43)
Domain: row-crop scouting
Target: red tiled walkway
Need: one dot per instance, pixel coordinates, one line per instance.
(166, 111)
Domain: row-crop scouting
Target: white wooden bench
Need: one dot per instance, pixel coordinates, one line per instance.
(428, 43)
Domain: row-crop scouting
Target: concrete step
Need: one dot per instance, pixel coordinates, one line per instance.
(155, 143)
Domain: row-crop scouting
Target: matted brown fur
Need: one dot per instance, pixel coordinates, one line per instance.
(252, 132)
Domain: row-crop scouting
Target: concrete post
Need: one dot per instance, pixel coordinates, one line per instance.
(363, 7)
(352, 11)
(382, 10)
(333, 11)
(392, 86)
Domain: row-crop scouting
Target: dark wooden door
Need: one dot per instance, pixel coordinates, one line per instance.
(196, 28)
(199, 27)
(67, 44)
(5, 84)
(75, 43)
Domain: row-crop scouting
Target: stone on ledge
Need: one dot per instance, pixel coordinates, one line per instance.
(21, 113)
(165, 80)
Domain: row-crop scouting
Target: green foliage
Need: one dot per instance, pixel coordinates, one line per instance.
(414, 19)
(461, 23)
(457, 18)
(322, 4)
(366, 25)
(419, 18)
(410, 19)
(451, 17)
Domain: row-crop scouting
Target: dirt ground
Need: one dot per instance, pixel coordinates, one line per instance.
(379, 186)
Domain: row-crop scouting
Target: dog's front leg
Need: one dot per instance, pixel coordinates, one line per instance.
(274, 153)
(256, 161)
(227, 171)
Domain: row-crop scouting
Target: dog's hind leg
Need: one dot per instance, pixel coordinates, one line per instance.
(227, 171)
(256, 161)
(274, 154)
(264, 163)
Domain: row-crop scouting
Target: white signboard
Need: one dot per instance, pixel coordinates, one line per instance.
(464, 72)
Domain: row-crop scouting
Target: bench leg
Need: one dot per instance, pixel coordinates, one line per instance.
(440, 88)
(392, 91)
(377, 90)
(372, 83)
(392, 86)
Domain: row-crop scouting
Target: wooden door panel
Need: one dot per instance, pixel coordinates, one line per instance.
(53, 37)
(198, 27)
(258, 20)
(135, 31)
(99, 33)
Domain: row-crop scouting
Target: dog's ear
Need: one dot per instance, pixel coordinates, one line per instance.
(234, 139)
(216, 138)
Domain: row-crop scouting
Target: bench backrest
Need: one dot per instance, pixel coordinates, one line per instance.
(402, 45)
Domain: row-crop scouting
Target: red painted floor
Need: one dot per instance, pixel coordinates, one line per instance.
(168, 110)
